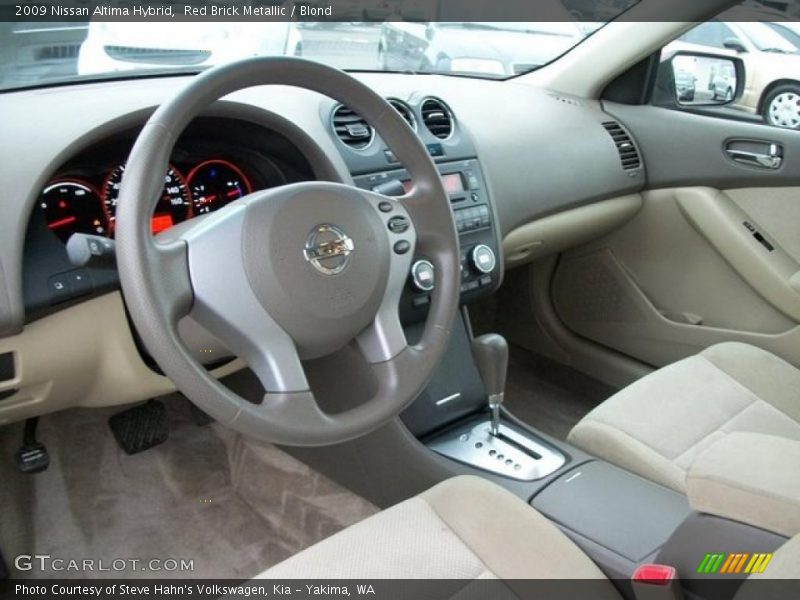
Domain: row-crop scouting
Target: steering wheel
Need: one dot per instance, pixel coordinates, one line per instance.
(290, 273)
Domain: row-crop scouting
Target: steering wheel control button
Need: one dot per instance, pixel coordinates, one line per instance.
(398, 224)
(402, 247)
(328, 249)
(483, 259)
(423, 275)
(385, 206)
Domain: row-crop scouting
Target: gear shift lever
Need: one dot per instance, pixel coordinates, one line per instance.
(491, 357)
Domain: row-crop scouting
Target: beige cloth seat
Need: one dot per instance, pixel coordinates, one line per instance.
(657, 426)
(467, 528)
(463, 528)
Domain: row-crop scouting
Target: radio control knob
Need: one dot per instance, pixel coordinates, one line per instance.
(422, 275)
(483, 259)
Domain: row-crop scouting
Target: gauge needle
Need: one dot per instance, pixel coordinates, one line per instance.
(233, 193)
(61, 222)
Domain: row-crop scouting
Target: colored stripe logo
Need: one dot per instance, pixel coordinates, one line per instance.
(734, 563)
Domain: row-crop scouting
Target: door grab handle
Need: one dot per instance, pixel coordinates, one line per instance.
(773, 159)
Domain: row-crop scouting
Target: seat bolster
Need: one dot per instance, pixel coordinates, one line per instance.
(749, 477)
(617, 447)
(513, 539)
(767, 376)
(406, 541)
(465, 528)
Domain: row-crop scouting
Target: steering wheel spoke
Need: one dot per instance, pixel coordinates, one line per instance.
(226, 305)
(384, 338)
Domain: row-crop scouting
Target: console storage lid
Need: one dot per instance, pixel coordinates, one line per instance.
(621, 512)
(749, 477)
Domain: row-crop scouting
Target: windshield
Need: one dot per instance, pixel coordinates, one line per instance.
(399, 36)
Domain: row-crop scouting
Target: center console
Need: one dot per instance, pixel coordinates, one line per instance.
(374, 167)
(473, 215)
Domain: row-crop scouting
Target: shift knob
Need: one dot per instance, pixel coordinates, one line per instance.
(491, 357)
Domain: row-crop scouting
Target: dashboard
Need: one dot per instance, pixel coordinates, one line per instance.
(510, 154)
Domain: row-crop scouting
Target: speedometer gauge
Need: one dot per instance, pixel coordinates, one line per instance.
(73, 206)
(174, 206)
(215, 183)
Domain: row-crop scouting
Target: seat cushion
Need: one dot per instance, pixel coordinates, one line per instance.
(658, 425)
(463, 528)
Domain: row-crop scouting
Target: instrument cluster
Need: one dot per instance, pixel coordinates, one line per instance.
(86, 200)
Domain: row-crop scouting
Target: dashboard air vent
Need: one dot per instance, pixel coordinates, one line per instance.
(628, 153)
(437, 118)
(351, 128)
(405, 112)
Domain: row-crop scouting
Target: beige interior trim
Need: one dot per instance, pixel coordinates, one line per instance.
(658, 290)
(81, 356)
(749, 477)
(589, 67)
(774, 275)
(650, 336)
(567, 229)
(776, 209)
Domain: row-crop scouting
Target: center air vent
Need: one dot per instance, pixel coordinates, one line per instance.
(628, 153)
(437, 118)
(405, 112)
(351, 128)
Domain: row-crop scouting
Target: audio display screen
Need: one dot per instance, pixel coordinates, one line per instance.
(453, 183)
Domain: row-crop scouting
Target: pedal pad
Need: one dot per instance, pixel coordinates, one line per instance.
(141, 427)
(32, 458)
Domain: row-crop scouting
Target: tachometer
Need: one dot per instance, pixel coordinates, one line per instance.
(215, 183)
(174, 206)
(73, 206)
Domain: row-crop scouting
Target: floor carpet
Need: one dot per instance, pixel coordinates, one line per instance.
(548, 395)
(232, 506)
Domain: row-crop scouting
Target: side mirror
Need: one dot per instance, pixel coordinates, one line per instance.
(704, 79)
(734, 44)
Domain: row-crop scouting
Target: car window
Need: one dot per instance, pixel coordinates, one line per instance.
(711, 34)
(743, 64)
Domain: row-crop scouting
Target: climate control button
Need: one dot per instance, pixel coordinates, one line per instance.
(482, 259)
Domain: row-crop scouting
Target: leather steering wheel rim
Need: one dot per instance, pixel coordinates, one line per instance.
(166, 278)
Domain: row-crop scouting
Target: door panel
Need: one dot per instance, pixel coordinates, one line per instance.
(685, 149)
(713, 255)
(666, 298)
(777, 210)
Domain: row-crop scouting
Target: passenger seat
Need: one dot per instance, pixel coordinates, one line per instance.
(658, 425)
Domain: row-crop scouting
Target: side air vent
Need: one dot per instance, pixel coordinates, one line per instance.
(351, 128)
(437, 118)
(628, 153)
(405, 112)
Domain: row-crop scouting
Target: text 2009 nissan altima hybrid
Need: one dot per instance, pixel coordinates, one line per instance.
(408, 306)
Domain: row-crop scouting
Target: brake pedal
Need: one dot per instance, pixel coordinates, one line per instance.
(32, 457)
(140, 428)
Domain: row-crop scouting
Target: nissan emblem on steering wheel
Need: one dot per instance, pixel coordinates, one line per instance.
(328, 249)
